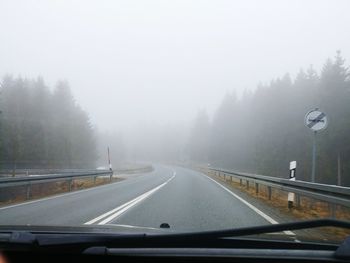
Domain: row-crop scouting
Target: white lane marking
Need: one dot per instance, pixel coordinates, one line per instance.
(99, 187)
(124, 209)
(111, 212)
(114, 213)
(258, 211)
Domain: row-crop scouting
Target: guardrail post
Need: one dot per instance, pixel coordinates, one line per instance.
(28, 192)
(297, 200)
(70, 184)
(95, 179)
(110, 177)
(269, 192)
(299, 194)
(290, 200)
(332, 210)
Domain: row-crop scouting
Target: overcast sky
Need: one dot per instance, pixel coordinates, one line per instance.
(161, 61)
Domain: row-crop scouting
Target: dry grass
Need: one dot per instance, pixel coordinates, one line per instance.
(308, 208)
(17, 194)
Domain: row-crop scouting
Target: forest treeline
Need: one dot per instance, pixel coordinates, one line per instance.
(259, 132)
(262, 131)
(42, 127)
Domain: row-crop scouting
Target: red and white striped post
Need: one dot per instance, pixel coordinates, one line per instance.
(110, 165)
(109, 160)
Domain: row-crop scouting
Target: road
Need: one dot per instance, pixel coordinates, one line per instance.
(183, 198)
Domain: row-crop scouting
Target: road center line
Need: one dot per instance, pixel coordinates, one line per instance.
(258, 211)
(116, 212)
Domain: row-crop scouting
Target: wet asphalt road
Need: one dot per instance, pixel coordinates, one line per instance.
(183, 198)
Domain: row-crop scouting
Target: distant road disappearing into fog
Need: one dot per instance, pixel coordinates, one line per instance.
(185, 199)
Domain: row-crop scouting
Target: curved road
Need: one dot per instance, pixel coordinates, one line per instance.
(183, 198)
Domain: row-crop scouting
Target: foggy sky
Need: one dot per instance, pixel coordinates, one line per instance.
(130, 62)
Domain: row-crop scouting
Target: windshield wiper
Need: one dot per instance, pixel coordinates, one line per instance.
(202, 238)
(210, 241)
(76, 240)
(255, 230)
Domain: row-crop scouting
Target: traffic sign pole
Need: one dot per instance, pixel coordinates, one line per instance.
(315, 120)
(313, 172)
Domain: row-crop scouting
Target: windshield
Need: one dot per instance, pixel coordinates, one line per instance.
(175, 116)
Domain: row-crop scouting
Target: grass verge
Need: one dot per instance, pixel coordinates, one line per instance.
(306, 209)
(18, 194)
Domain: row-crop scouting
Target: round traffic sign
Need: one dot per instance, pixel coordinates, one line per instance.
(316, 120)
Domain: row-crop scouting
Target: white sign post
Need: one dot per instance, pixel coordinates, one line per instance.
(292, 170)
(316, 120)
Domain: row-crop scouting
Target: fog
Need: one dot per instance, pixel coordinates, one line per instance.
(132, 61)
(143, 70)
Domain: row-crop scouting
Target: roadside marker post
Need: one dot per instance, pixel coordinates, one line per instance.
(292, 170)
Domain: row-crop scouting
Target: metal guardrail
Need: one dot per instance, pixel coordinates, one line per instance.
(28, 181)
(6, 173)
(26, 172)
(329, 193)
